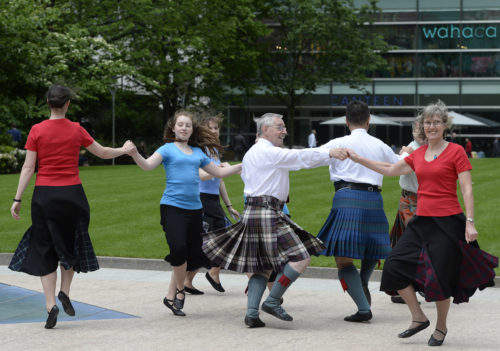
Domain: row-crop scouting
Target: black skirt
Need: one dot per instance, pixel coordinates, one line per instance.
(213, 214)
(433, 256)
(58, 234)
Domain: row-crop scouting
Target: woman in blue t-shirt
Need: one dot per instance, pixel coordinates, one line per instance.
(180, 205)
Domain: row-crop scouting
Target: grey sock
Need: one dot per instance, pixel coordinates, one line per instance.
(256, 287)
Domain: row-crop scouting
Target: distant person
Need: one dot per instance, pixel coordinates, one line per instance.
(59, 208)
(239, 146)
(85, 123)
(311, 139)
(496, 147)
(142, 149)
(468, 147)
(15, 134)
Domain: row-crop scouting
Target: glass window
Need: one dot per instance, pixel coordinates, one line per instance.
(392, 11)
(480, 87)
(401, 37)
(399, 66)
(431, 91)
(394, 87)
(442, 10)
(481, 64)
(481, 9)
(439, 36)
(439, 65)
(480, 36)
(344, 89)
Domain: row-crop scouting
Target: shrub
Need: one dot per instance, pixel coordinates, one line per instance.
(11, 159)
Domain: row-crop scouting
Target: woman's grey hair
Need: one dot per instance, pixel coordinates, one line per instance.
(267, 119)
(437, 109)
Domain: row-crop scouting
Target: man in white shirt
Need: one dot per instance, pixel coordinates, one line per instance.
(311, 139)
(266, 239)
(357, 227)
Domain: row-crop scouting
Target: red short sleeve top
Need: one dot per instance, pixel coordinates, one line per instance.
(437, 180)
(57, 143)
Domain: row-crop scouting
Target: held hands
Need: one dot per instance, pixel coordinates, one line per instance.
(15, 209)
(339, 153)
(129, 148)
(406, 149)
(353, 155)
(470, 232)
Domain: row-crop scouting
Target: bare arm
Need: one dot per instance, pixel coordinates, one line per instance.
(222, 172)
(204, 175)
(385, 168)
(227, 201)
(148, 164)
(24, 179)
(109, 152)
(465, 181)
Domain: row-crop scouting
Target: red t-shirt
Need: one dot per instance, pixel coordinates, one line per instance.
(437, 180)
(57, 143)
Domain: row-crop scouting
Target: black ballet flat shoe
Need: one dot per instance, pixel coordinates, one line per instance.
(359, 317)
(171, 306)
(193, 291)
(254, 322)
(276, 311)
(412, 331)
(397, 299)
(52, 318)
(367, 294)
(215, 285)
(435, 342)
(66, 302)
(178, 302)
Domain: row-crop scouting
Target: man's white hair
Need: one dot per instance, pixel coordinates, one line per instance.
(267, 119)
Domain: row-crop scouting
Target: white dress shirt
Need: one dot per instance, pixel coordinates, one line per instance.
(311, 140)
(365, 145)
(409, 182)
(265, 167)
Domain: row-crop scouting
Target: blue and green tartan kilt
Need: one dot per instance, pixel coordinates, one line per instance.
(59, 233)
(357, 226)
(264, 239)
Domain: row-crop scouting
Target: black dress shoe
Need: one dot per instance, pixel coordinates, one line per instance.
(367, 294)
(412, 331)
(171, 305)
(66, 302)
(276, 311)
(215, 285)
(397, 299)
(52, 318)
(435, 342)
(254, 322)
(193, 291)
(359, 317)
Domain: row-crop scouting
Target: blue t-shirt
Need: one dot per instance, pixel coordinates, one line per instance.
(212, 185)
(182, 175)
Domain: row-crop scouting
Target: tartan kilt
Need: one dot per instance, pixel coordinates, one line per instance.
(406, 211)
(433, 256)
(356, 226)
(58, 234)
(264, 239)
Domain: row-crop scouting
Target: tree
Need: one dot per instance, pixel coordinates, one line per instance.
(39, 48)
(315, 42)
(191, 51)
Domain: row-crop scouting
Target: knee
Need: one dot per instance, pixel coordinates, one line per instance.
(178, 255)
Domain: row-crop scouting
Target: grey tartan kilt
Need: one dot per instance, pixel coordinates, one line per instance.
(264, 239)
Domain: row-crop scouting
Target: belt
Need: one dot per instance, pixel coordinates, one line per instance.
(407, 193)
(266, 202)
(356, 186)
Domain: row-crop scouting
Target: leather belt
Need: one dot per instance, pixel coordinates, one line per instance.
(356, 186)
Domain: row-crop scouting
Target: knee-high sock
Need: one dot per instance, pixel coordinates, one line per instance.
(282, 282)
(256, 287)
(367, 267)
(351, 281)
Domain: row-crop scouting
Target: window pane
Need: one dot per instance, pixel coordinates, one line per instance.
(439, 65)
(480, 36)
(402, 37)
(402, 10)
(394, 87)
(481, 9)
(442, 10)
(439, 36)
(480, 87)
(399, 66)
(431, 91)
(481, 64)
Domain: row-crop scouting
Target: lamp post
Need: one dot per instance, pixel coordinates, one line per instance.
(112, 90)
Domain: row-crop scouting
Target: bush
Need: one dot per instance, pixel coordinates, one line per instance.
(11, 159)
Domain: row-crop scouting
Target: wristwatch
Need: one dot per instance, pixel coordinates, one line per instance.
(470, 220)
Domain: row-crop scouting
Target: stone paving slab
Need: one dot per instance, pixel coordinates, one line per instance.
(214, 321)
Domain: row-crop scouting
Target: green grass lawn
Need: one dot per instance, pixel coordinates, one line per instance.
(125, 218)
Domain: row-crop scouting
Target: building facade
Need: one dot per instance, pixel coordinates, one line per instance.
(441, 49)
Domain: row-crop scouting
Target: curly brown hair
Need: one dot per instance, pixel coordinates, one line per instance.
(202, 137)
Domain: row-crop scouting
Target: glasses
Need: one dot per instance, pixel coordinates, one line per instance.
(279, 127)
(433, 123)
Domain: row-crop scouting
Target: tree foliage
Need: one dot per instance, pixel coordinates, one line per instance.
(315, 42)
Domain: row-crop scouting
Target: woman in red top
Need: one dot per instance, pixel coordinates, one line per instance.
(59, 208)
(438, 253)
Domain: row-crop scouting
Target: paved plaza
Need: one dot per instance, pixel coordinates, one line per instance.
(122, 309)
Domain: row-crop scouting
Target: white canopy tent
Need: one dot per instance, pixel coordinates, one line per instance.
(461, 120)
(374, 120)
